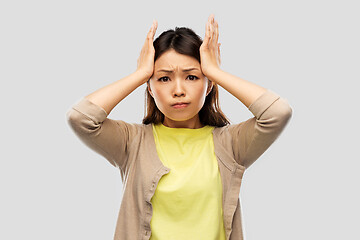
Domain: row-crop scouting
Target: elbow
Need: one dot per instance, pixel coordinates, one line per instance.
(284, 112)
(277, 116)
(80, 123)
(73, 119)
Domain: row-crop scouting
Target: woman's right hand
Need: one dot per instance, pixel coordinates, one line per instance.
(145, 62)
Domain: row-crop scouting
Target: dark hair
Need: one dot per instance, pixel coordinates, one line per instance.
(185, 41)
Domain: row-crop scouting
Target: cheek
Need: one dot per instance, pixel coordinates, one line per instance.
(159, 96)
(200, 92)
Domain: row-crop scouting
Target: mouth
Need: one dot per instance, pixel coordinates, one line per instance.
(180, 105)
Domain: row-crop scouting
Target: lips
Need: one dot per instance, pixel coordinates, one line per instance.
(180, 105)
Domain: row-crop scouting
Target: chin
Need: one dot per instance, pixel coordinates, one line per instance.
(179, 116)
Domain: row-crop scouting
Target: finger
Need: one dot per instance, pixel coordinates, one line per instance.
(209, 18)
(209, 23)
(207, 34)
(155, 25)
(213, 24)
(152, 28)
(219, 49)
(213, 32)
(148, 35)
(216, 32)
(151, 33)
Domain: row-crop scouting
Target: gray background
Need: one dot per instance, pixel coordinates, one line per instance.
(52, 53)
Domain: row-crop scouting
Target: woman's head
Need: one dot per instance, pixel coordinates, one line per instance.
(176, 51)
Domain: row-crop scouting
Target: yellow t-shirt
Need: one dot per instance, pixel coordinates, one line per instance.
(187, 203)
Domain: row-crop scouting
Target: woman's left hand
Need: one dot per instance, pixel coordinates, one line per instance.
(210, 48)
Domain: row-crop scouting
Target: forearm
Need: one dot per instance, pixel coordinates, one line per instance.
(247, 92)
(109, 96)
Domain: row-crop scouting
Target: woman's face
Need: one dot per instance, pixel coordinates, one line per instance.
(178, 78)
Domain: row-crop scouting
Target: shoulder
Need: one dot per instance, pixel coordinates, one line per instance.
(223, 133)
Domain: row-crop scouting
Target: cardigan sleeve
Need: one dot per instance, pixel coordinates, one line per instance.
(251, 138)
(109, 138)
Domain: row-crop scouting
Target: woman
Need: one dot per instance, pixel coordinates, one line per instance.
(182, 167)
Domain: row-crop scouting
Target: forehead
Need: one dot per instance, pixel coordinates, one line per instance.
(173, 60)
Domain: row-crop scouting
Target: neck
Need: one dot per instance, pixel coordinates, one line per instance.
(193, 123)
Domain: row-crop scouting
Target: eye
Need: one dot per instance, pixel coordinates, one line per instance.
(192, 77)
(163, 79)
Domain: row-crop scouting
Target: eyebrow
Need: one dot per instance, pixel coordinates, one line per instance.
(184, 70)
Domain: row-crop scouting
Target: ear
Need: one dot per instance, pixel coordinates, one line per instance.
(210, 86)
(149, 89)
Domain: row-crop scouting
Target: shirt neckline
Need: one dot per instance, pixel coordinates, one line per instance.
(183, 131)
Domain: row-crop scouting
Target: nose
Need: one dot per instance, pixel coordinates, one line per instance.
(178, 89)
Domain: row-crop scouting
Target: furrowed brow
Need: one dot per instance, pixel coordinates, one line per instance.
(184, 70)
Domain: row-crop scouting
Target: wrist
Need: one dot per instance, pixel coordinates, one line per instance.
(143, 75)
(213, 74)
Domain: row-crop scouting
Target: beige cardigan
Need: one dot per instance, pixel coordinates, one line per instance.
(131, 148)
